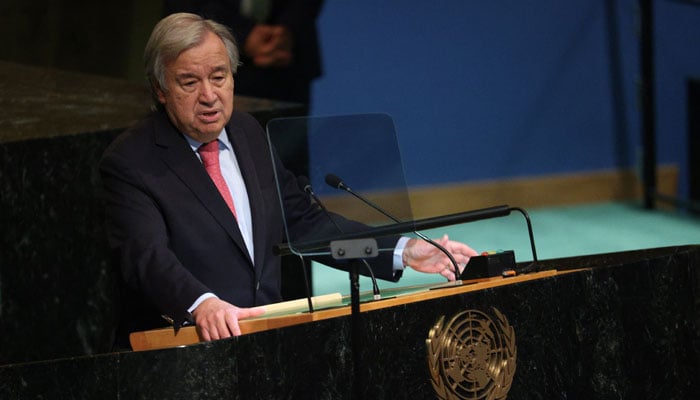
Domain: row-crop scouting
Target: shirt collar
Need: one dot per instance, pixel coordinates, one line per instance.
(223, 139)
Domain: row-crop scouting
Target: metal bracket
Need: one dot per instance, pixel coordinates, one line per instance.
(354, 249)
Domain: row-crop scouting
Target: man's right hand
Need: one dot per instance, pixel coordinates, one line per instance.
(217, 319)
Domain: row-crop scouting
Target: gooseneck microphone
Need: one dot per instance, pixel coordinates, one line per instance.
(305, 185)
(335, 182)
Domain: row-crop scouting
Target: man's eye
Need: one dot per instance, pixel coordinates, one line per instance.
(189, 85)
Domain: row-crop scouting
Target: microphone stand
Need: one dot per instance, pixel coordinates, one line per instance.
(305, 185)
(355, 328)
(355, 251)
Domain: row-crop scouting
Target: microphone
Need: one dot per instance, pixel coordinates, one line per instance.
(305, 185)
(335, 182)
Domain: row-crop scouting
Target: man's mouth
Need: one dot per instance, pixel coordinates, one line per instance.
(209, 116)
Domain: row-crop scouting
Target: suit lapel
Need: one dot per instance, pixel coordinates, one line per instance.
(246, 162)
(178, 155)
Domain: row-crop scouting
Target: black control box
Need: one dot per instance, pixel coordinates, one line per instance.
(500, 263)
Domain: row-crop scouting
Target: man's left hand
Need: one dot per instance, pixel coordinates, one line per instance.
(424, 257)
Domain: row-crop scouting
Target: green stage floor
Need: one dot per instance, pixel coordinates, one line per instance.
(559, 232)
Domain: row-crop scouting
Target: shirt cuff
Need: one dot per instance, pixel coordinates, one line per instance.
(199, 301)
(398, 253)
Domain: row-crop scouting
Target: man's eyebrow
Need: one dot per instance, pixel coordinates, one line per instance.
(221, 68)
(185, 75)
(188, 75)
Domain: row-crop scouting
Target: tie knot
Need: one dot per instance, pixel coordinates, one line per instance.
(209, 153)
(210, 147)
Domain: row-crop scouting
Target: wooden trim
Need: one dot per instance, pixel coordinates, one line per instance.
(166, 337)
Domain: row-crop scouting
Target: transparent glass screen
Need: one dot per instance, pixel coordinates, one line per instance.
(359, 151)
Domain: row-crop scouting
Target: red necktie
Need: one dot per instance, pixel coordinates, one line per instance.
(210, 158)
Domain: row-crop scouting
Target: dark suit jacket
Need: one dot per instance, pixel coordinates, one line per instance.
(173, 234)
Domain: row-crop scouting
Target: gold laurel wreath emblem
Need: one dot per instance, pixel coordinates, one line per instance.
(472, 357)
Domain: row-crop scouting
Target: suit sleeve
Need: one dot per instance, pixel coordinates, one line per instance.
(138, 235)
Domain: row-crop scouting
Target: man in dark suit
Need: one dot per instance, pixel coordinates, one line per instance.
(196, 241)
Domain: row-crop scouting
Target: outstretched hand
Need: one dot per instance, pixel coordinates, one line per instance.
(424, 257)
(217, 319)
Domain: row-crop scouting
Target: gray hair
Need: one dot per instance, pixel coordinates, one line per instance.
(177, 33)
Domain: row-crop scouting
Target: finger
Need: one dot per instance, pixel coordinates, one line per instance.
(469, 252)
(278, 30)
(213, 332)
(461, 267)
(233, 318)
(463, 249)
(454, 271)
(222, 329)
(464, 252)
(461, 259)
(447, 273)
(255, 312)
(444, 269)
(204, 332)
(232, 324)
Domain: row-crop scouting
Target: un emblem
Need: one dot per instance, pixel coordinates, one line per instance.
(472, 357)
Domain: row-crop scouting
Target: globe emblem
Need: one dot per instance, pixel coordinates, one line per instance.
(472, 357)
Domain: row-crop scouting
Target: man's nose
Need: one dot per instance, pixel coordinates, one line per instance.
(206, 93)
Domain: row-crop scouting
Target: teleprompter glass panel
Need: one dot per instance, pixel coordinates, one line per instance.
(351, 157)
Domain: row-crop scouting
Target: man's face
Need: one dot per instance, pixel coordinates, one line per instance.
(199, 98)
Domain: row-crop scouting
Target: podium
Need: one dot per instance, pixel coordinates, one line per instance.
(609, 326)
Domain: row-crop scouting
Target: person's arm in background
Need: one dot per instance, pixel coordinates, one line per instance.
(269, 43)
